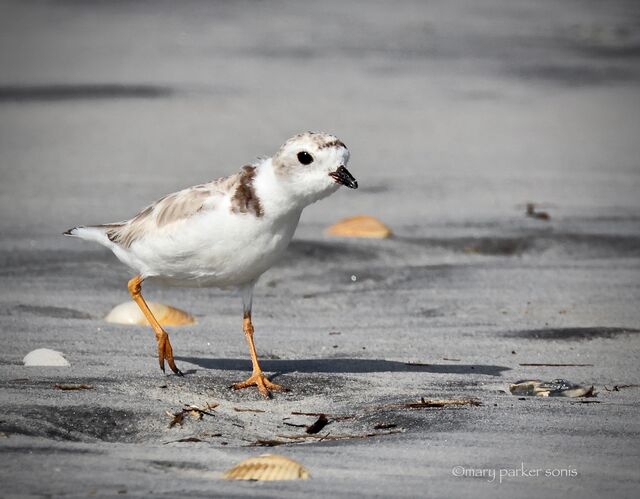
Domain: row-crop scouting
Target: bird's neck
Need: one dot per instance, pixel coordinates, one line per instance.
(275, 198)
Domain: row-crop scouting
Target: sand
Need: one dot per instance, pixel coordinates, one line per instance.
(457, 115)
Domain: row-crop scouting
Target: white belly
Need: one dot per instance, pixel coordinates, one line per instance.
(213, 249)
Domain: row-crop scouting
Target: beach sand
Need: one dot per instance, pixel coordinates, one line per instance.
(457, 115)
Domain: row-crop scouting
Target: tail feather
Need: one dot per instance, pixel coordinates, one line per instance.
(91, 233)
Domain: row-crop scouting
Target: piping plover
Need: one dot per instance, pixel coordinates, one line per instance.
(228, 232)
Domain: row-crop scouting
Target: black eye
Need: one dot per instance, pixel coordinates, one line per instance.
(305, 158)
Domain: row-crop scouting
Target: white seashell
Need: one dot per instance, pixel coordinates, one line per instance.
(45, 357)
(129, 313)
(267, 467)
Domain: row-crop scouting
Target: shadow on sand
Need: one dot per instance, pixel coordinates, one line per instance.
(77, 92)
(343, 365)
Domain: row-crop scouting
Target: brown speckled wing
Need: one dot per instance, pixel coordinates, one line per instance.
(187, 203)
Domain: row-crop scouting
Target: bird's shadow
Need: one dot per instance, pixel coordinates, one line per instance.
(343, 365)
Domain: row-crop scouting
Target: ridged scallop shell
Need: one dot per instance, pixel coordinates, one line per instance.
(267, 467)
(129, 313)
(360, 226)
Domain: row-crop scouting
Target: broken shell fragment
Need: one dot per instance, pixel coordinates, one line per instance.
(267, 467)
(360, 226)
(555, 388)
(129, 313)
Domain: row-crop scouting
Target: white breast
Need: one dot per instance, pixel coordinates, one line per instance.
(216, 248)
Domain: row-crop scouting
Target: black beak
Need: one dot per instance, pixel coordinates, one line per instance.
(342, 176)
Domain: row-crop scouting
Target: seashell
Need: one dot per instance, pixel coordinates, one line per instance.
(267, 467)
(45, 357)
(360, 226)
(129, 313)
(555, 388)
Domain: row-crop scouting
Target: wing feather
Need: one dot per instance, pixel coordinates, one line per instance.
(170, 209)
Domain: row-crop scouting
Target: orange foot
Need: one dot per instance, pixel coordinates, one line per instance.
(262, 382)
(165, 352)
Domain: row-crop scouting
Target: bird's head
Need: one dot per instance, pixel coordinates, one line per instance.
(313, 165)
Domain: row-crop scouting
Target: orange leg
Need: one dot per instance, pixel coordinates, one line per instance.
(165, 352)
(257, 378)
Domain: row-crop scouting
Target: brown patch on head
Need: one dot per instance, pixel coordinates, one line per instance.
(332, 143)
(245, 199)
(319, 139)
(285, 160)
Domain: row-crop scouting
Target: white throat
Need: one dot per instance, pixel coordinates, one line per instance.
(278, 198)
